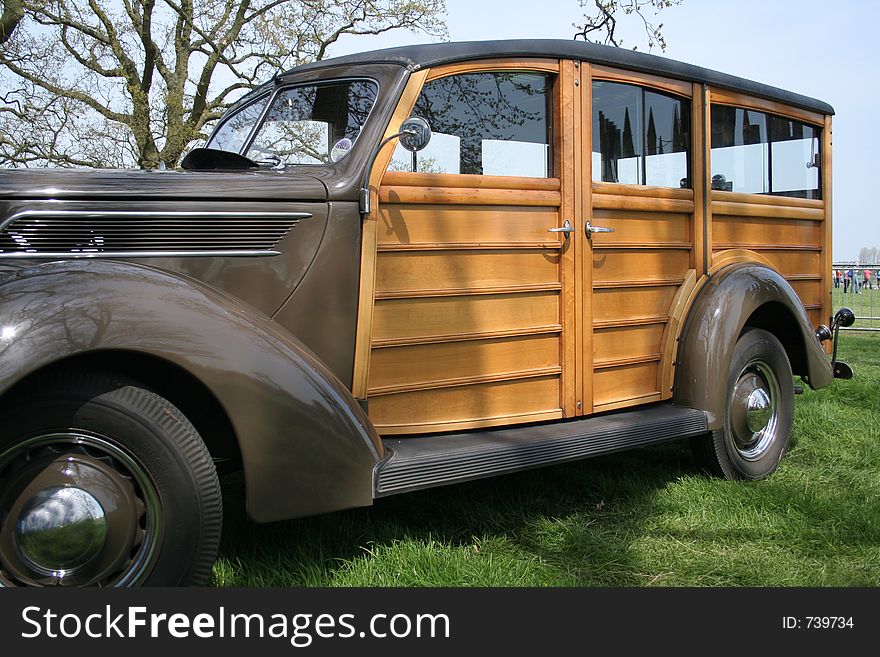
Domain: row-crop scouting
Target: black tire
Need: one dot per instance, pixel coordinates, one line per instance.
(133, 489)
(758, 415)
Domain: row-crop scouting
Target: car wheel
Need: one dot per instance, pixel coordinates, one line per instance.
(103, 483)
(758, 413)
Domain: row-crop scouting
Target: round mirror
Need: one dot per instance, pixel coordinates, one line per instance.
(415, 134)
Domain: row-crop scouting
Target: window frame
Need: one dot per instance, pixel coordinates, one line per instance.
(311, 83)
(769, 114)
(549, 67)
(683, 91)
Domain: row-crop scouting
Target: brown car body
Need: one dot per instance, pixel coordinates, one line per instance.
(261, 352)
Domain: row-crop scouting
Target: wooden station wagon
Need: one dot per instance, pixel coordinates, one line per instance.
(398, 270)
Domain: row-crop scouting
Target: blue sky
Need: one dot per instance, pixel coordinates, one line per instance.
(830, 51)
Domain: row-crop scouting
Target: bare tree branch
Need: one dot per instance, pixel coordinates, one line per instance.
(604, 22)
(135, 82)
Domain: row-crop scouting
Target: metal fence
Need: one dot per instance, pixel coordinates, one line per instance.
(863, 297)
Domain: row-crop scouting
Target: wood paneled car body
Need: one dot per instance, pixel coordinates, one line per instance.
(571, 250)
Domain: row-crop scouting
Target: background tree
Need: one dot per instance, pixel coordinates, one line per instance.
(602, 25)
(120, 83)
(869, 255)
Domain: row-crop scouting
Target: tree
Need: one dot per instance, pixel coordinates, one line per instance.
(116, 83)
(604, 21)
(869, 255)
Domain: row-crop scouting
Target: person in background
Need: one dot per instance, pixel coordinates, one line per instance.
(869, 281)
(846, 279)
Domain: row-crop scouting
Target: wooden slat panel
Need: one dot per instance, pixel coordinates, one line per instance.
(415, 318)
(795, 263)
(419, 364)
(810, 292)
(469, 180)
(626, 382)
(766, 199)
(433, 270)
(731, 230)
(431, 224)
(642, 191)
(760, 210)
(430, 410)
(644, 228)
(643, 204)
(467, 196)
(620, 265)
(627, 341)
(616, 304)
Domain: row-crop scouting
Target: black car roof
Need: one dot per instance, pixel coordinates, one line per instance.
(433, 54)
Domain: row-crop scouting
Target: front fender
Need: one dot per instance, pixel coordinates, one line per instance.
(307, 446)
(721, 310)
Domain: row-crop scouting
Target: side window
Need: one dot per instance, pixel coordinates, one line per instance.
(760, 153)
(740, 150)
(640, 136)
(232, 133)
(493, 124)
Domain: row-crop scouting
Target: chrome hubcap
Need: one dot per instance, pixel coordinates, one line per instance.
(60, 530)
(76, 510)
(754, 416)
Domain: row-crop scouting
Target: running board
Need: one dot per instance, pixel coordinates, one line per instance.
(424, 462)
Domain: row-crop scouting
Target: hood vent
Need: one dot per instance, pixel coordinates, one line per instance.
(143, 234)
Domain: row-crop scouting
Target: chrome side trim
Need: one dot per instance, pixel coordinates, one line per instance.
(219, 253)
(149, 214)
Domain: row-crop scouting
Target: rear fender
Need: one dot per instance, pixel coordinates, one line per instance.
(729, 301)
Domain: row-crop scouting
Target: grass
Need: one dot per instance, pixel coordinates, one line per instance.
(642, 518)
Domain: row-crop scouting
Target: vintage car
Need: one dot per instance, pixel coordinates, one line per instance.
(398, 270)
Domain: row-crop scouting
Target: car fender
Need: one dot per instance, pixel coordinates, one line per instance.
(307, 447)
(725, 305)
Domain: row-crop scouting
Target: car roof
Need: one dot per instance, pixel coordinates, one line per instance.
(421, 56)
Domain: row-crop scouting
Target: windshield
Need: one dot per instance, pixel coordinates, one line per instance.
(312, 124)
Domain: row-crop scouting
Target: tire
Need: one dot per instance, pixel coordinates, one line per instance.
(103, 483)
(758, 415)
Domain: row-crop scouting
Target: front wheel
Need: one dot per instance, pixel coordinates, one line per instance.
(758, 414)
(103, 483)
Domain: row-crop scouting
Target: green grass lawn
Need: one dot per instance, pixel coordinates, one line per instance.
(642, 518)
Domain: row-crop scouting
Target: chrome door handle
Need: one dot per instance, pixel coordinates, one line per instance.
(567, 229)
(589, 229)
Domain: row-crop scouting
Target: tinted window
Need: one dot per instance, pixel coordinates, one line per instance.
(640, 137)
(484, 123)
(313, 124)
(760, 153)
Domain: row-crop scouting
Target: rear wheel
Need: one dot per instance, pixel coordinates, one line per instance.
(758, 413)
(103, 483)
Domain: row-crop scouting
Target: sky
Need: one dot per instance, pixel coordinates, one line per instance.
(827, 50)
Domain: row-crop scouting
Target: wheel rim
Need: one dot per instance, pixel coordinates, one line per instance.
(77, 509)
(754, 410)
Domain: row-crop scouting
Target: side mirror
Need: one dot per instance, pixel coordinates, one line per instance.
(415, 133)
